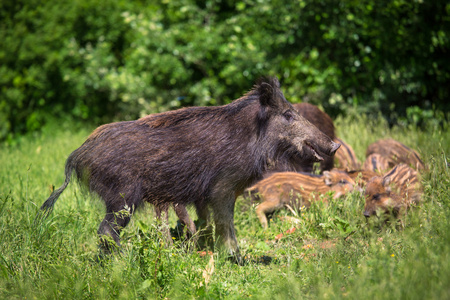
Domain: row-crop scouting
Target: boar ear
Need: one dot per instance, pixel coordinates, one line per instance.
(386, 181)
(327, 178)
(267, 90)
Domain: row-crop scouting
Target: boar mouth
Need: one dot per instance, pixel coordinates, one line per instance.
(314, 152)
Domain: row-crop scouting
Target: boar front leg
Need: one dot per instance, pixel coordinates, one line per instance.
(224, 220)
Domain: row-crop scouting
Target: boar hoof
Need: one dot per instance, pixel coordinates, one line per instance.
(237, 259)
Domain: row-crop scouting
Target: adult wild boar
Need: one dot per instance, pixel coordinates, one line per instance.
(196, 155)
(183, 216)
(317, 117)
(324, 123)
(287, 162)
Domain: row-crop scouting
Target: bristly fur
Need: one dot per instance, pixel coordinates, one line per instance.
(197, 155)
(288, 161)
(396, 152)
(296, 190)
(395, 191)
(346, 157)
(378, 163)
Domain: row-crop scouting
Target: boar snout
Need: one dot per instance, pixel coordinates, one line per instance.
(334, 148)
(314, 151)
(317, 150)
(367, 214)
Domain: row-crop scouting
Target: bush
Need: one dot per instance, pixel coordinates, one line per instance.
(121, 60)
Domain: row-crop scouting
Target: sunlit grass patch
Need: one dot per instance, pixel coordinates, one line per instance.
(324, 252)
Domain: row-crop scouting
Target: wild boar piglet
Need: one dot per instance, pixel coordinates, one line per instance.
(345, 157)
(378, 163)
(393, 192)
(296, 190)
(362, 177)
(397, 152)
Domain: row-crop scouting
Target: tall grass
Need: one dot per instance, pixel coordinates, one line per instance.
(332, 252)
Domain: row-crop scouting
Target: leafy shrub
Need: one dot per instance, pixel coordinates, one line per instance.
(121, 60)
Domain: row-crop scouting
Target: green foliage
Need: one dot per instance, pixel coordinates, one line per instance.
(48, 57)
(121, 60)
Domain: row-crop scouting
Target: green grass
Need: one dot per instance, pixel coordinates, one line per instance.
(333, 253)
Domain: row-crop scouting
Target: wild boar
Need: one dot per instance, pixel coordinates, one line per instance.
(345, 157)
(317, 117)
(361, 177)
(296, 190)
(397, 152)
(394, 192)
(378, 163)
(286, 162)
(196, 155)
(324, 123)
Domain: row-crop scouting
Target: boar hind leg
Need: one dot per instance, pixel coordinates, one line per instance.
(119, 210)
(109, 230)
(225, 234)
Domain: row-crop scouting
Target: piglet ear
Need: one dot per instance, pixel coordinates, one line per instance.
(267, 90)
(327, 178)
(386, 181)
(388, 190)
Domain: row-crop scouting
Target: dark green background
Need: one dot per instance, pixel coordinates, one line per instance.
(115, 60)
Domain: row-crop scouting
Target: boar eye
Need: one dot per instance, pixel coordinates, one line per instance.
(343, 181)
(288, 116)
(377, 197)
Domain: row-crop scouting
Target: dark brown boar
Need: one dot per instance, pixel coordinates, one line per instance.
(397, 152)
(378, 163)
(345, 157)
(197, 155)
(318, 118)
(394, 192)
(296, 190)
(324, 123)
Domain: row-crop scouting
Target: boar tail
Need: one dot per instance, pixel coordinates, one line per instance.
(47, 207)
